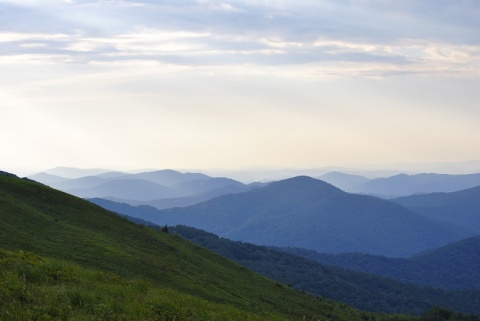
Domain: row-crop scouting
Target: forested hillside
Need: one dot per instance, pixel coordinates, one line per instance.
(75, 242)
(309, 213)
(460, 208)
(454, 266)
(364, 291)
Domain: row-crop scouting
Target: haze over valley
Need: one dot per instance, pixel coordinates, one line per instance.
(333, 238)
(234, 160)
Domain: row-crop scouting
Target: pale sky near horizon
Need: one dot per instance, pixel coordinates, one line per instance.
(206, 84)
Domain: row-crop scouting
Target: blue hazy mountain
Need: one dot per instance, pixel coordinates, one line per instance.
(48, 179)
(78, 183)
(163, 188)
(364, 291)
(71, 172)
(403, 185)
(198, 186)
(309, 213)
(168, 177)
(194, 199)
(346, 182)
(454, 266)
(461, 208)
(161, 177)
(136, 189)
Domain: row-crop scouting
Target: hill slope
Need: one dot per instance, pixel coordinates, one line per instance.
(367, 292)
(56, 225)
(38, 288)
(136, 189)
(454, 266)
(309, 213)
(461, 208)
(346, 182)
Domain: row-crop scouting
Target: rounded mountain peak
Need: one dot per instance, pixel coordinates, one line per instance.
(304, 183)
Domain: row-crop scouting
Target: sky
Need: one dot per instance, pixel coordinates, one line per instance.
(204, 84)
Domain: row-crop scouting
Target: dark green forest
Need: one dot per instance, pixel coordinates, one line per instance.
(63, 258)
(361, 290)
(455, 266)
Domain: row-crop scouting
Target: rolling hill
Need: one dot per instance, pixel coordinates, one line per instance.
(461, 208)
(345, 182)
(454, 266)
(136, 189)
(366, 292)
(404, 185)
(309, 213)
(187, 200)
(77, 244)
(161, 189)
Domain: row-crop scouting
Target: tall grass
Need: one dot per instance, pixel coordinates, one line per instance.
(35, 288)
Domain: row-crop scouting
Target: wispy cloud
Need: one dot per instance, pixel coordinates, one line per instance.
(200, 33)
(265, 82)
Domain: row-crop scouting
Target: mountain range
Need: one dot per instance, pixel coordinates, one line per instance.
(309, 213)
(177, 189)
(454, 266)
(63, 258)
(161, 189)
(88, 263)
(367, 292)
(402, 184)
(461, 208)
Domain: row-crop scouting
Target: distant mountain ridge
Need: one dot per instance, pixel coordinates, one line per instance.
(403, 185)
(400, 185)
(309, 213)
(461, 208)
(137, 189)
(177, 280)
(163, 187)
(346, 182)
(454, 266)
(385, 187)
(72, 172)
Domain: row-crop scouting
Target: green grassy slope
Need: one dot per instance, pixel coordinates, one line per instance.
(56, 225)
(35, 288)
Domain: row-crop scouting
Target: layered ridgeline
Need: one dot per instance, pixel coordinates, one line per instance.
(309, 213)
(402, 184)
(160, 189)
(461, 208)
(454, 266)
(367, 292)
(92, 264)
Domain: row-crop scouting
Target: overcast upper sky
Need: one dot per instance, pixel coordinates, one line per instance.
(207, 84)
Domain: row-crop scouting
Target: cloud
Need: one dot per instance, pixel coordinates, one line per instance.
(385, 37)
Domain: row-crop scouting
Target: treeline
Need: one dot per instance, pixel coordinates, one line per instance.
(454, 267)
(361, 290)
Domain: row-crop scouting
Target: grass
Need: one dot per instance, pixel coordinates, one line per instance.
(35, 288)
(90, 264)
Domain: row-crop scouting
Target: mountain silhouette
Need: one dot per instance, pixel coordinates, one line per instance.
(453, 266)
(346, 182)
(461, 208)
(404, 185)
(309, 213)
(162, 188)
(136, 189)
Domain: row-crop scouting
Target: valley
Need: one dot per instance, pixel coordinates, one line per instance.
(375, 278)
